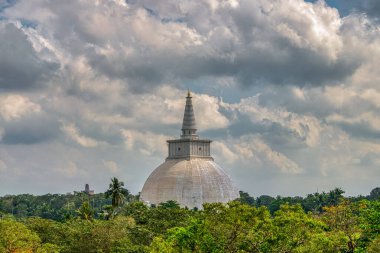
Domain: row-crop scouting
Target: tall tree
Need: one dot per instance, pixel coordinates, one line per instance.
(86, 212)
(116, 192)
(343, 219)
(375, 194)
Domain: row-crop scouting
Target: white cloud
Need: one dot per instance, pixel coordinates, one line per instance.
(72, 132)
(145, 143)
(372, 96)
(117, 79)
(208, 115)
(255, 150)
(14, 106)
(224, 152)
(366, 122)
(150, 42)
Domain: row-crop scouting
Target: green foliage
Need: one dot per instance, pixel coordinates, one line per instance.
(245, 198)
(312, 203)
(343, 219)
(16, 237)
(375, 194)
(49, 248)
(321, 222)
(49, 231)
(369, 215)
(116, 192)
(374, 247)
(138, 210)
(169, 204)
(85, 211)
(51, 206)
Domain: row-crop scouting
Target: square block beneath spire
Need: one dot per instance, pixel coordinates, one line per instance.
(188, 148)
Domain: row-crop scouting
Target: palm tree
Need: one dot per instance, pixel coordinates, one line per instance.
(85, 211)
(170, 204)
(116, 192)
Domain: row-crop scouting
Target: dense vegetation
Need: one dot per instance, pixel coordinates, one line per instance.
(117, 222)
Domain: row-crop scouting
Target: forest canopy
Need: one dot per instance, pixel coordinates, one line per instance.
(116, 221)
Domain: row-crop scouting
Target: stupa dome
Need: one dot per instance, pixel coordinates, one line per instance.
(189, 175)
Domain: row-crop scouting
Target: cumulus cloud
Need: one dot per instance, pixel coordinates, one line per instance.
(305, 129)
(20, 66)
(146, 143)
(365, 125)
(225, 153)
(71, 131)
(31, 128)
(253, 42)
(288, 90)
(14, 106)
(256, 152)
(370, 7)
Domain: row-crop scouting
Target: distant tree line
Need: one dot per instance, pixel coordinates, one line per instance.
(61, 207)
(115, 221)
(314, 203)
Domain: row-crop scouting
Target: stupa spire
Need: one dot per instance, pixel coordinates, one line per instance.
(189, 128)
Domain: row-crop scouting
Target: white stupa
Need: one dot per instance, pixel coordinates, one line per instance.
(189, 175)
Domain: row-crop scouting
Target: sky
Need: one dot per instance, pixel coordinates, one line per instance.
(289, 92)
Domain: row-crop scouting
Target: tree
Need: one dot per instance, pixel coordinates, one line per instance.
(245, 198)
(86, 212)
(138, 211)
(334, 197)
(50, 231)
(169, 204)
(296, 231)
(16, 237)
(264, 200)
(317, 201)
(343, 219)
(369, 214)
(112, 235)
(374, 247)
(116, 192)
(375, 194)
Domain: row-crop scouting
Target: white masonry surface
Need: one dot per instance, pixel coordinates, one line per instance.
(189, 175)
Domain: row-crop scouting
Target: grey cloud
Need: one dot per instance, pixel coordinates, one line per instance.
(370, 159)
(283, 137)
(316, 101)
(272, 132)
(106, 64)
(302, 68)
(109, 134)
(6, 3)
(371, 7)
(30, 130)
(360, 130)
(242, 54)
(346, 7)
(20, 66)
(242, 42)
(252, 67)
(140, 74)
